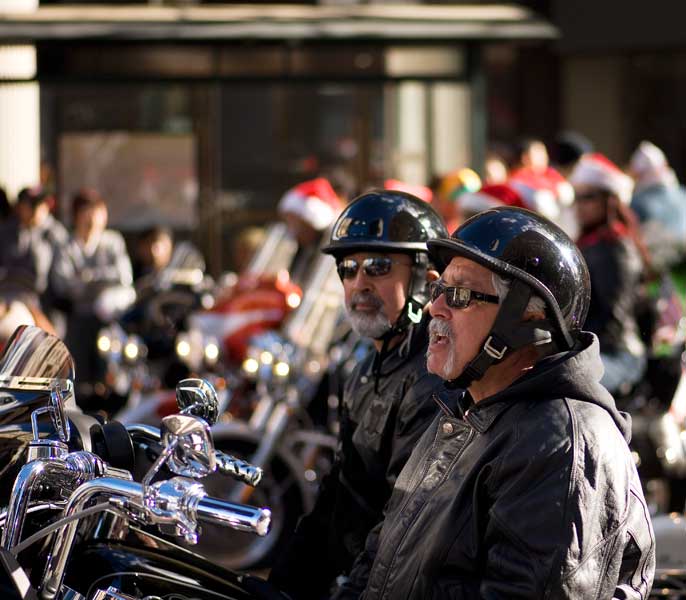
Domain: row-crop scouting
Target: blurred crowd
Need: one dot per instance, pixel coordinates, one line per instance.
(629, 222)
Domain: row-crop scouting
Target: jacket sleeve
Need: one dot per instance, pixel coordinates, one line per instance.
(526, 520)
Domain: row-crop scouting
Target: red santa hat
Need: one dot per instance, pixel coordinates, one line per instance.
(421, 191)
(596, 170)
(490, 196)
(314, 201)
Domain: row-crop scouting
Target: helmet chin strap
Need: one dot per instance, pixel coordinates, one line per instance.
(411, 313)
(508, 333)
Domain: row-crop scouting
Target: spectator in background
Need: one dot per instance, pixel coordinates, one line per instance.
(422, 192)
(92, 276)
(568, 148)
(610, 242)
(495, 168)
(308, 209)
(542, 187)
(660, 204)
(28, 247)
(160, 262)
(56, 234)
(449, 191)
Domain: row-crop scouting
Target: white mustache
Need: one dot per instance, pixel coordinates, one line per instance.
(365, 298)
(440, 327)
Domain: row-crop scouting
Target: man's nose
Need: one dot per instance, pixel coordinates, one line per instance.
(439, 308)
(361, 281)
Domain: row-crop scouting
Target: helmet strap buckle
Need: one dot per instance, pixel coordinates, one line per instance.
(492, 351)
(414, 315)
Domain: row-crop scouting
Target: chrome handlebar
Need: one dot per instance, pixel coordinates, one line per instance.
(178, 503)
(226, 464)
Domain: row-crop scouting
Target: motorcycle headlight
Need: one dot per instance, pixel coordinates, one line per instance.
(211, 352)
(183, 348)
(250, 366)
(104, 344)
(266, 358)
(293, 300)
(282, 369)
(134, 348)
(131, 351)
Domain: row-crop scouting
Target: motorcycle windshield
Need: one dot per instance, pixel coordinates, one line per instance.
(34, 359)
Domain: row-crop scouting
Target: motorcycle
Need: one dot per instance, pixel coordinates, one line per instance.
(77, 524)
(291, 431)
(137, 350)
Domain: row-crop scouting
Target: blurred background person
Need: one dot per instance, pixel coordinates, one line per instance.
(496, 164)
(660, 204)
(617, 262)
(450, 189)
(31, 238)
(158, 259)
(568, 148)
(422, 192)
(308, 209)
(542, 187)
(92, 276)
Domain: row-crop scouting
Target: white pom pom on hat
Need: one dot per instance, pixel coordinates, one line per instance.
(314, 201)
(596, 170)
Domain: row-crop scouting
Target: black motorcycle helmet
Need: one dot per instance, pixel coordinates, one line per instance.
(541, 260)
(390, 221)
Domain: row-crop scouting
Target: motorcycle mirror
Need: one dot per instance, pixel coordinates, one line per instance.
(189, 442)
(59, 419)
(198, 397)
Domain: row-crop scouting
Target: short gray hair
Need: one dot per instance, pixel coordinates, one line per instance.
(502, 285)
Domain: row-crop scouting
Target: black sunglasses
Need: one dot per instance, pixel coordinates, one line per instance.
(375, 266)
(459, 297)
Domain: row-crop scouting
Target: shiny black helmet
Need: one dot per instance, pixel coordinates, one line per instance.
(385, 221)
(390, 221)
(539, 258)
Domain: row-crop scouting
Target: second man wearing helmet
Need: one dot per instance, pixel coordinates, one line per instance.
(379, 243)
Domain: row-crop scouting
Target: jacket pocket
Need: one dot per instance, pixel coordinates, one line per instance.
(369, 434)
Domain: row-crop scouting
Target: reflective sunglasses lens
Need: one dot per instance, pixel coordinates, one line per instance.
(377, 266)
(347, 269)
(435, 290)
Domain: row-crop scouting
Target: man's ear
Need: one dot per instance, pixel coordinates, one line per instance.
(538, 315)
(432, 275)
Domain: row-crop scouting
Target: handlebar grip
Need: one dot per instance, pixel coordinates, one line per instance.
(241, 470)
(237, 516)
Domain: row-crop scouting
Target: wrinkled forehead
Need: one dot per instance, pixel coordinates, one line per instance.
(466, 272)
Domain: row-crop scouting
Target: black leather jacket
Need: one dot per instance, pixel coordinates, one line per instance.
(531, 493)
(615, 268)
(378, 432)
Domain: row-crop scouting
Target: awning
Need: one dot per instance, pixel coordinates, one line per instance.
(274, 22)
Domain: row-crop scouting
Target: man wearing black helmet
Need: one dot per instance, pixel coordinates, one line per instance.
(523, 486)
(379, 243)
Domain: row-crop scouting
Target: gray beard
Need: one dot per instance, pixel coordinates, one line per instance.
(440, 327)
(371, 326)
